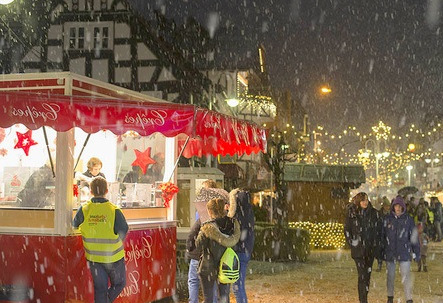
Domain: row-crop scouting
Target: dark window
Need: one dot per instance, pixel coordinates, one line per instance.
(89, 5)
(105, 38)
(72, 37)
(96, 37)
(75, 5)
(81, 38)
(104, 5)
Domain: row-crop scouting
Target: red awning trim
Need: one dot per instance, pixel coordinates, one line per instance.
(92, 114)
(210, 132)
(212, 146)
(233, 135)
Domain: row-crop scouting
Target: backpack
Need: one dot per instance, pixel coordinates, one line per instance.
(229, 268)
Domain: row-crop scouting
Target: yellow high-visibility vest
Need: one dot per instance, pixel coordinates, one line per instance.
(430, 216)
(100, 243)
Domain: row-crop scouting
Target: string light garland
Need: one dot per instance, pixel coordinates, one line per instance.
(396, 147)
(323, 235)
(259, 102)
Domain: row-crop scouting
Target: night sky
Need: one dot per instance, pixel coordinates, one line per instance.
(382, 59)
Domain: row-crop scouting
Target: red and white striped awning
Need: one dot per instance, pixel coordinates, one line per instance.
(209, 132)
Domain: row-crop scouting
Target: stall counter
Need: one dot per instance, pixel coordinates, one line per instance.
(54, 267)
(43, 218)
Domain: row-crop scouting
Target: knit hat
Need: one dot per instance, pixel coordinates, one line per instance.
(203, 197)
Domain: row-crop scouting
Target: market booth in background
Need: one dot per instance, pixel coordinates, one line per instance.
(50, 125)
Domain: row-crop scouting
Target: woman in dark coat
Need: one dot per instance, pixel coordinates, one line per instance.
(363, 234)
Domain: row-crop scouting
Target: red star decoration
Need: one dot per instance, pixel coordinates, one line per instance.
(143, 159)
(25, 141)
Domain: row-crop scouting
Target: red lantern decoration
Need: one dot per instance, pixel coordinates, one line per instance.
(75, 190)
(168, 189)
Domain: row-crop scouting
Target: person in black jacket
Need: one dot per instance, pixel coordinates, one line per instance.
(383, 211)
(436, 207)
(241, 209)
(363, 234)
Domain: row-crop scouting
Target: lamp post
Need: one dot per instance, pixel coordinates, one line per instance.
(378, 155)
(409, 168)
(231, 88)
(431, 172)
(224, 87)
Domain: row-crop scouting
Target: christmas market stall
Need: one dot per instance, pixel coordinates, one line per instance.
(52, 127)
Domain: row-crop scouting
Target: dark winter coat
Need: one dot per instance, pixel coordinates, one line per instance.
(191, 250)
(39, 189)
(240, 201)
(363, 231)
(399, 235)
(213, 239)
(88, 174)
(437, 212)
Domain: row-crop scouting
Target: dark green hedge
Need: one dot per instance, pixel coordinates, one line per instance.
(286, 244)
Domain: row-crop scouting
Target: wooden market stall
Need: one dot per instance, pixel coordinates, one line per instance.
(72, 118)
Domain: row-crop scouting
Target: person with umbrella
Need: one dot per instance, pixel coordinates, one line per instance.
(205, 194)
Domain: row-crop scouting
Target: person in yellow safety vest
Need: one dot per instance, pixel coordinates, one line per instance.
(103, 228)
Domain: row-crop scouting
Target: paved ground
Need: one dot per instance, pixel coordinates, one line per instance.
(330, 276)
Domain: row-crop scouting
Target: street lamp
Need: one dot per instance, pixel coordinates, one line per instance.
(431, 172)
(378, 155)
(324, 90)
(409, 168)
(232, 89)
(233, 102)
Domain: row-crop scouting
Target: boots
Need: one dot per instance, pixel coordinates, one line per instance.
(425, 269)
(419, 268)
(390, 300)
(409, 301)
(378, 268)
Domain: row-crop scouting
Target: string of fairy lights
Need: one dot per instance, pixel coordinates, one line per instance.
(260, 102)
(323, 235)
(392, 152)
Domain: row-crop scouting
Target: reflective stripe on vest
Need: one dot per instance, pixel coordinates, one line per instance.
(100, 243)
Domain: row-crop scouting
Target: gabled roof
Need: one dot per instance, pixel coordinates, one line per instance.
(346, 174)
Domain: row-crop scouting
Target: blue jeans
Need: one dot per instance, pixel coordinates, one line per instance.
(239, 286)
(194, 283)
(101, 272)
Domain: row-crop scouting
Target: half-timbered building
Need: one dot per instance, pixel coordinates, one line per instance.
(108, 41)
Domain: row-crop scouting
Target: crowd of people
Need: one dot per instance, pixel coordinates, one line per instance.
(223, 220)
(397, 233)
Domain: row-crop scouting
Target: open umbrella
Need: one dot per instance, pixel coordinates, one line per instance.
(203, 197)
(407, 190)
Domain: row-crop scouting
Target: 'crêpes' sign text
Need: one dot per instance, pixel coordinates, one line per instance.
(148, 255)
(150, 118)
(47, 112)
(119, 116)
